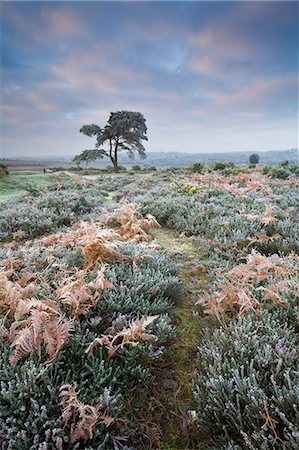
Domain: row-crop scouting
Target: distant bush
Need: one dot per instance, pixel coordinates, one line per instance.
(294, 169)
(254, 159)
(75, 169)
(121, 169)
(136, 167)
(280, 172)
(197, 168)
(61, 169)
(153, 168)
(219, 165)
(266, 169)
(3, 170)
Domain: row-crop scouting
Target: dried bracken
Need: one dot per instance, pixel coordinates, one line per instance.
(95, 242)
(99, 250)
(130, 336)
(79, 418)
(239, 184)
(75, 292)
(268, 217)
(237, 291)
(38, 322)
(100, 283)
(11, 293)
(133, 228)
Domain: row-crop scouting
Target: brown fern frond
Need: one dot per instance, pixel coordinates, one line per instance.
(81, 419)
(41, 322)
(104, 341)
(136, 332)
(268, 217)
(99, 250)
(236, 292)
(56, 333)
(132, 336)
(23, 345)
(4, 332)
(149, 222)
(77, 294)
(100, 282)
(11, 293)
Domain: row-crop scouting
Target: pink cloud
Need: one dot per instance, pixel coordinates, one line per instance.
(260, 92)
(52, 24)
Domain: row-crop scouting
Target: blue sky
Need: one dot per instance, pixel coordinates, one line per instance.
(208, 76)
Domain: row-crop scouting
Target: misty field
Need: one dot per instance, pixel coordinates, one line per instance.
(150, 310)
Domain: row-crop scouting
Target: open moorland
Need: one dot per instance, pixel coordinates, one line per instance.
(150, 311)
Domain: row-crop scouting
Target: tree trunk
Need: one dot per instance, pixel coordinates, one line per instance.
(114, 162)
(114, 158)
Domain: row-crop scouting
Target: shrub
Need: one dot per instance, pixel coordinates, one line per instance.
(33, 216)
(266, 170)
(280, 172)
(30, 406)
(197, 168)
(136, 167)
(247, 384)
(3, 170)
(219, 165)
(254, 159)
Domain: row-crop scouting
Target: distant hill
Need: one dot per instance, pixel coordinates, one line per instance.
(176, 159)
(162, 159)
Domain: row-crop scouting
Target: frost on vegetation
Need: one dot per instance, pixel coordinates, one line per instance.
(86, 312)
(60, 296)
(32, 216)
(249, 285)
(247, 383)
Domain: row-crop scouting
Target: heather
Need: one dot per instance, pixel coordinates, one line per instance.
(153, 311)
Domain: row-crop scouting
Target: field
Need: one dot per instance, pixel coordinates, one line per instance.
(150, 311)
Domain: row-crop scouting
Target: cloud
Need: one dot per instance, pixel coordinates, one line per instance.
(45, 24)
(196, 70)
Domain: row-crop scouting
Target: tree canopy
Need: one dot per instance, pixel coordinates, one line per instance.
(254, 158)
(125, 131)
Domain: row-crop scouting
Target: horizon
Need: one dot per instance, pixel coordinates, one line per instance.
(136, 160)
(209, 77)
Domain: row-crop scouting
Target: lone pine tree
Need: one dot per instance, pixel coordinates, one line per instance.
(124, 131)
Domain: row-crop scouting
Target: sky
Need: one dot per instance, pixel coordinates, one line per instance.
(207, 76)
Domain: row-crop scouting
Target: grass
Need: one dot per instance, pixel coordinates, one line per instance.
(178, 430)
(14, 184)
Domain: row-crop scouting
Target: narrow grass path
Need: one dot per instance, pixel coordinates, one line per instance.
(178, 429)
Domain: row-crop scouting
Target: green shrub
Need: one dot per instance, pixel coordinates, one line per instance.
(280, 172)
(136, 167)
(3, 170)
(34, 216)
(247, 375)
(29, 392)
(197, 168)
(266, 169)
(219, 165)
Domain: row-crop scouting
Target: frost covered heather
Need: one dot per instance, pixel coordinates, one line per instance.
(110, 287)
